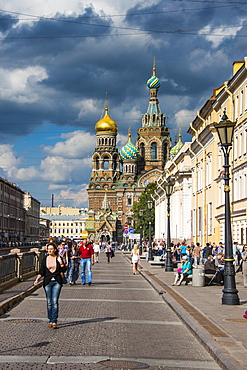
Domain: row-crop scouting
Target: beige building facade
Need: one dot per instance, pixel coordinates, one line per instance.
(206, 210)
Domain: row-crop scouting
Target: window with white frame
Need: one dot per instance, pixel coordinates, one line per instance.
(245, 100)
(209, 170)
(241, 101)
(210, 219)
(194, 222)
(199, 221)
(236, 106)
(240, 143)
(245, 139)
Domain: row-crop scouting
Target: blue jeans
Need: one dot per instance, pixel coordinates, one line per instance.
(52, 291)
(86, 265)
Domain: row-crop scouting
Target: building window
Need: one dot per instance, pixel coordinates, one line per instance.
(106, 163)
(97, 163)
(154, 151)
(210, 219)
(142, 150)
(129, 201)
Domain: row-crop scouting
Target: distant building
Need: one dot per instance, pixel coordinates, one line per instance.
(61, 210)
(19, 214)
(66, 222)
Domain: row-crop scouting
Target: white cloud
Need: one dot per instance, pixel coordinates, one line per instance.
(87, 107)
(8, 158)
(21, 85)
(78, 144)
(76, 197)
(218, 35)
(184, 116)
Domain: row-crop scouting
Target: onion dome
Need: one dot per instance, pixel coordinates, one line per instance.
(129, 151)
(153, 82)
(106, 124)
(177, 147)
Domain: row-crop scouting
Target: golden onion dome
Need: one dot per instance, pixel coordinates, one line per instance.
(106, 124)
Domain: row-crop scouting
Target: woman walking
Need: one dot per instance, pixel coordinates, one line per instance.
(73, 269)
(135, 254)
(52, 269)
(108, 251)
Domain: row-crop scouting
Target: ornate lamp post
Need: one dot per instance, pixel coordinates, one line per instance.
(141, 215)
(150, 206)
(168, 186)
(225, 129)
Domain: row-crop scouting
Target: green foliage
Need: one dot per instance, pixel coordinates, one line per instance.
(143, 204)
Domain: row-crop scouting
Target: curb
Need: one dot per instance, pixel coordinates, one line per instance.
(218, 354)
(12, 301)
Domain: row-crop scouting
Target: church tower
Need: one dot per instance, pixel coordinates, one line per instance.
(105, 163)
(153, 140)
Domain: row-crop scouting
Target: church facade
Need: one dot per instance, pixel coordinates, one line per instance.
(119, 177)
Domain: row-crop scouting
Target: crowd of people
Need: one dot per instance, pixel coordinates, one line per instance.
(61, 265)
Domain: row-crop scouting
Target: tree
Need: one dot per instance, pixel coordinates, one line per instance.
(143, 204)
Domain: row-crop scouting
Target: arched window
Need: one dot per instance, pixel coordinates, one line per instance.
(142, 150)
(165, 151)
(97, 163)
(154, 151)
(106, 163)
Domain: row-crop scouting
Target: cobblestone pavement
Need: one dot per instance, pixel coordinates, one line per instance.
(119, 322)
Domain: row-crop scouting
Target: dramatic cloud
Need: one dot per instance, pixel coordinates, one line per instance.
(59, 58)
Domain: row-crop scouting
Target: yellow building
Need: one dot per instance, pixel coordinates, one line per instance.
(207, 160)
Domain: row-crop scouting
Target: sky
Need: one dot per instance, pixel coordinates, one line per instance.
(59, 58)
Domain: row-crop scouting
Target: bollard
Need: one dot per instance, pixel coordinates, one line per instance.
(198, 276)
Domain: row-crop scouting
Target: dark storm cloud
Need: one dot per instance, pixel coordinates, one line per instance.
(85, 68)
(7, 22)
(177, 50)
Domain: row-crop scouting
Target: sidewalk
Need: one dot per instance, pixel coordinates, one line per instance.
(116, 310)
(220, 328)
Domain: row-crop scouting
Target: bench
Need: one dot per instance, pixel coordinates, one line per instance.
(157, 263)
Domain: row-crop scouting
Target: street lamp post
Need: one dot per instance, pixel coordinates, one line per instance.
(141, 215)
(225, 129)
(168, 186)
(150, 206)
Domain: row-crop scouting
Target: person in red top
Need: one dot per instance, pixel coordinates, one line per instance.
(86, 253)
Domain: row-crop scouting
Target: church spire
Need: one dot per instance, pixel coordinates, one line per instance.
(153, 116)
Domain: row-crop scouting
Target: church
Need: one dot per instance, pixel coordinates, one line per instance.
(119, 177)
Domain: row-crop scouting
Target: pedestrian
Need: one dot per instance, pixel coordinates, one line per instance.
(207, 251)
(183, 249)
(108, 250)
(197, 253)
(52, 270)
(220, 265)
(183, 272)
(63, 252)
(244, 264)
(96, 249)
(73, 267)
(86, 253)
(135, 258)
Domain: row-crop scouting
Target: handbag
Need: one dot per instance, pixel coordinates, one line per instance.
(64, 280)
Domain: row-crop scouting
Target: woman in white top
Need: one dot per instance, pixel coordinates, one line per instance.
(135, 258)
(96, 249)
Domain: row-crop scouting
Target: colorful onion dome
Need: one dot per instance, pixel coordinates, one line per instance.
(153, 83)
(129, 151)
(177, 147)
